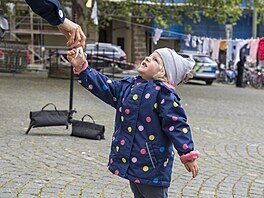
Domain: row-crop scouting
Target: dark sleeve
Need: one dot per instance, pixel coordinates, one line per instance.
(101, 86)
(49, 10)
(174, 123)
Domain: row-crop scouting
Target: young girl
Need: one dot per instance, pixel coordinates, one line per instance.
(149, 120)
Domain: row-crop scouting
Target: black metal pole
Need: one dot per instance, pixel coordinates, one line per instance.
(71, 110)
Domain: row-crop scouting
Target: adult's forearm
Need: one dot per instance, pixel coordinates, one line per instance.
(50, 10)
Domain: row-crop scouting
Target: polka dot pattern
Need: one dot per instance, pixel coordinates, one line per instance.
(147, 96)
(174, 118)
(105, 88)
(90, 87)
(151, 137)
(137, 181)
(158, 88)
(140, 128)
(145, 128)
(127, 111)
(162, 149)
(175, 104)
(143, 151)
(185, 146)
(122, 142)
(148, 119)
(185, 130)
(145, 168)
(134, 159)
(155, 180)
(135, 97)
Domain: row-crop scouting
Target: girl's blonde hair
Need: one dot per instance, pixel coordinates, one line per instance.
(186, 78)
(161, 75)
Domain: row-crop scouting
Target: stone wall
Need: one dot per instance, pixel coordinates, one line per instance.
(139, 48)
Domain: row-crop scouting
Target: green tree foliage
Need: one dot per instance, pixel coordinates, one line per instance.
(164, 13)
(168, 12)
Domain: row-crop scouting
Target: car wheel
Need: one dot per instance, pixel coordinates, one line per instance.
(209, 82)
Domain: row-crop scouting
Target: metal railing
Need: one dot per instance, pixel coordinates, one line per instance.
(14, 56)
(107, 62)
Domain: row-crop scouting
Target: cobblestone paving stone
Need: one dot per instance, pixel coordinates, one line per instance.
(227, 125)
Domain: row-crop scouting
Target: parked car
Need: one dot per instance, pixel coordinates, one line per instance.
(105, 55)
(205, 68)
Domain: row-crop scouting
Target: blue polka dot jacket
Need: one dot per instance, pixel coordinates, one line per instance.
(149, 122)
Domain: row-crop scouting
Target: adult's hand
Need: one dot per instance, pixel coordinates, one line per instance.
(73, 33)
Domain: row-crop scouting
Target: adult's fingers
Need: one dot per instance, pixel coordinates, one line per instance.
(80, 39)
(72, 34)
(77, 38)
(83, 38)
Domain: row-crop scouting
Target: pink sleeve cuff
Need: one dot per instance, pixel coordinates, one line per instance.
(84, 66)
(190, 157)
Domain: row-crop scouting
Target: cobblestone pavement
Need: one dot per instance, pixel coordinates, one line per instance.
(227, 125)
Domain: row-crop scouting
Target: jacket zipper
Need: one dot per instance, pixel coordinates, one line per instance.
(150, 155)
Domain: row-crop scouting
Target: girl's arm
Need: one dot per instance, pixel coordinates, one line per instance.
(99, 84)
(174, 123)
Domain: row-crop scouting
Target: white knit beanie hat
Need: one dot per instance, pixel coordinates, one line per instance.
(175, 65)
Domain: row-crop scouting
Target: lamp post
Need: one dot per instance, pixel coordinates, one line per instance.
(71, 110)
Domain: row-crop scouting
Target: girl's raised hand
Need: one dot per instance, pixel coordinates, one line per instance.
(76, 58)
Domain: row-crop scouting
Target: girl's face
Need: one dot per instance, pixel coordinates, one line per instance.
(150, 66)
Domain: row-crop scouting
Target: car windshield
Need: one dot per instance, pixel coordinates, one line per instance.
(203, 59)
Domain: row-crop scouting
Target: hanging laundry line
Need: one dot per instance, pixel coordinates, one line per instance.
(212, 46)
(149, 27)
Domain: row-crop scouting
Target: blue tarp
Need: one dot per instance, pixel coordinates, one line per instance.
(209, 28)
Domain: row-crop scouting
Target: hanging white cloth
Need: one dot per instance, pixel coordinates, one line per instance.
(94, 13)
(230, 50)
(215, 46)
(157, 35)
(200, 44)
(194, 41)
(206, 46)
(187, 40)
(239, 44)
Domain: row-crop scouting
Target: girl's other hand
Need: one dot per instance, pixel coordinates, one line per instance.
(192, 167)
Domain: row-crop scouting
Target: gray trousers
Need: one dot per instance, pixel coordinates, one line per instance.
(148, 191)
